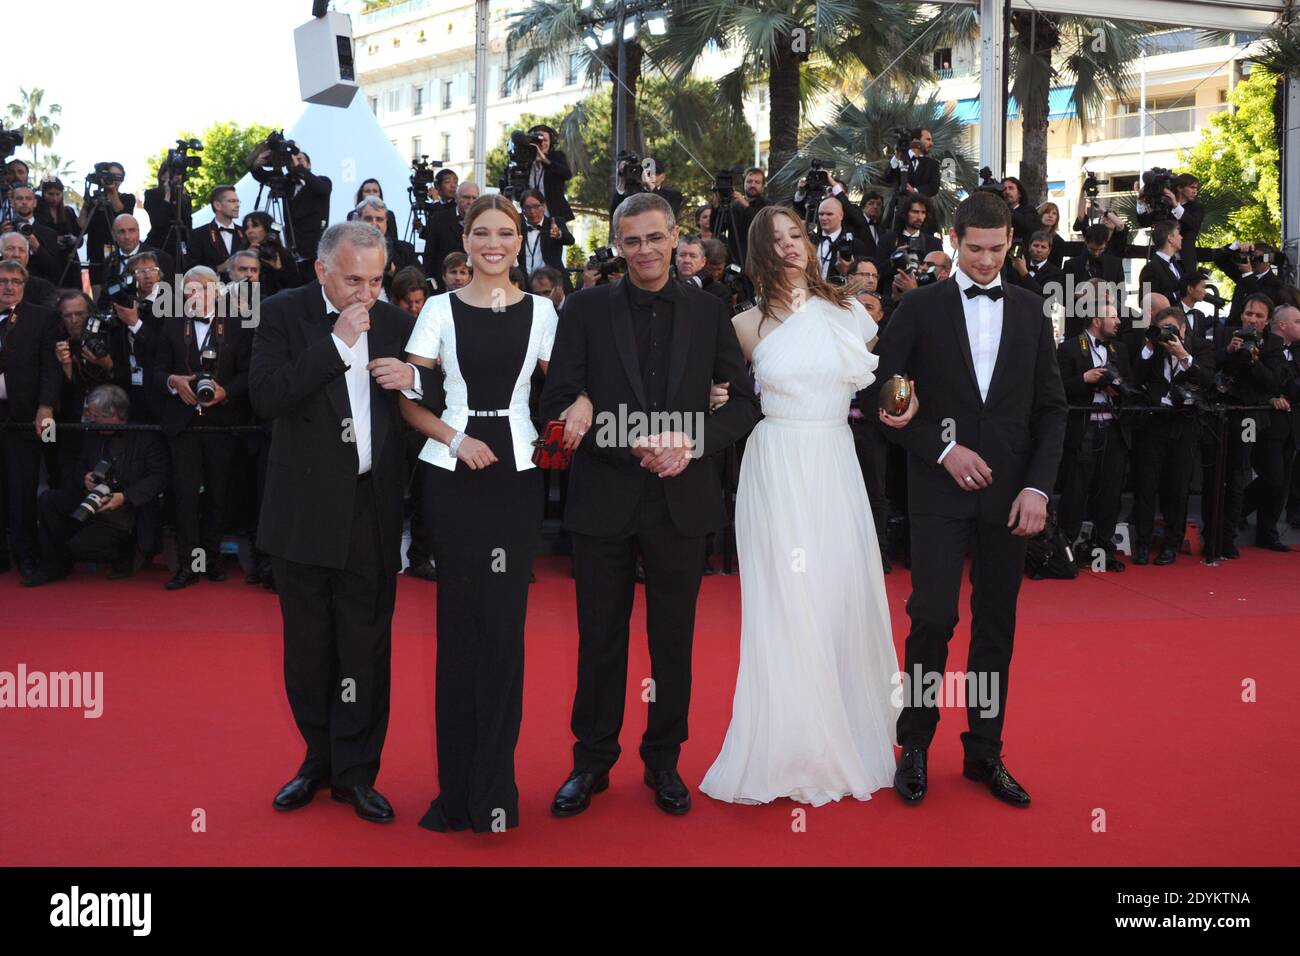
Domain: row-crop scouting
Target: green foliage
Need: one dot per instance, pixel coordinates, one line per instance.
(38, 129)
(1237, 164)
(225, 154)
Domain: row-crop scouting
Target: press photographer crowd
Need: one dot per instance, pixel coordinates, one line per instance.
(128, 436)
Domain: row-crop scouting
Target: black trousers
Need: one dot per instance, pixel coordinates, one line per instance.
(337, 652)
(605, 569)
(201, 479)
(20, 468)
(939, 547)
(870, 446)
(1162, 466)
(1092, 481)
(106, 537)
(1272, 459)
(421, 548)
(1236, 476)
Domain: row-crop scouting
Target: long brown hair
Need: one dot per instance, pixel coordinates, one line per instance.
(492, 201)
(767, 271)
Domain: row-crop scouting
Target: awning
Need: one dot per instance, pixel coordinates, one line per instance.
(1058, 107)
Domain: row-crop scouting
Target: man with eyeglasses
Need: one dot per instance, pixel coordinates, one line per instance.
(222, 237)
(126, 243)
(544, 238)
(29, 391)
(42, 241)
(138, 326)
(39, 291)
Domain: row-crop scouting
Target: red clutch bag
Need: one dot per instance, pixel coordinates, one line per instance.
(549, 451)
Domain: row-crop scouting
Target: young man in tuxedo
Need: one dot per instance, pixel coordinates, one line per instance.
(213, 244)
(326, 371)
(445, 232)
(29, 392)
(983, 453)
(1163, 272)
(645, 345)
(544, 238)
(44, 257)
(1169, 363)
(1096, 263)
(374, 211)
(1097, 442)
(1186, 210)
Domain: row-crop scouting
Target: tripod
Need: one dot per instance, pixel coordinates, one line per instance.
(181, 224)
(279, 206)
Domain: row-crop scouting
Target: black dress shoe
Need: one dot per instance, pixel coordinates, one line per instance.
(367, 801)
(216, 573)
(671, 795)
(1166, 556)
(1273, 546)
(424, 570)
(992, 772)
(709, 571)
(181, 579)
(298, 792)
(1230, 551)
(41, 577)
(1141, 554)
(253, 577)
(910, 779)
(28, 570)
(575, 796)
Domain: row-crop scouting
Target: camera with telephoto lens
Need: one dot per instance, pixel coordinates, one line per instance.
(1159, 334)
(1249, 341)
(10, 140)
(904, 259)
(25, 229)
(630, 173)
(988, 182)
(816, 187)
(733, 276)
(105, 483)
(103, 175)
(1111, 378)
(179, 162)
(205, 386)
(122, 290)
(94, 334)
(1152, 192)
(904, 138)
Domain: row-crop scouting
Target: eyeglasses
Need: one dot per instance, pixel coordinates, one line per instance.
(16, 280)
(633, 243)
(532, 205)
(147, 270)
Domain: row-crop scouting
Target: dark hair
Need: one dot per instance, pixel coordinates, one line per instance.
(871, 194)
(219, 191)
(1097, 234)
(54, 183)
(1020, 188)
(259, 218)
(68, 294)
(454, 260)
(533, 193)
(406, 281)
(715, 250)
(755, 169)
(517, 277)
(1042, 235)
(692, 240)
(1176, 312)
(442, 174)
(363, 186)
(700, 211)
(542, 126)
(853, 266)
(1259, 297)
(917, 199)
(19, 162)
(981, 210)
(1161, 232)
(1183, 180)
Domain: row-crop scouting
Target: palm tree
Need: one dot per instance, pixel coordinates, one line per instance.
(1090, 53)
(798, 47)
(859, 138)
(37, 129)
(52, 167)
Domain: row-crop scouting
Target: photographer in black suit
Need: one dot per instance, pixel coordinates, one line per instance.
(444, 233)
(127, 518)
(310, 209)
(653, 346)
(45, 259)
(912, 173)
(1096, 263)
(1034, 270)
(983, 453)
(1164, 273)
(544, 238)
(38, 291)
(222, 237)
(201, 368)
(400, 254)
(1025, 220)
(549, 172)
(1250, 266)
(915, 234)
(654, 177)
(160, 204)
(100, 211)
(1185, 209)
(29, 392)
(126, 244)
(326, 370)
(1274, 447)
(1172, 368)
(836, 245)
(1094, 366)
(1286, 326)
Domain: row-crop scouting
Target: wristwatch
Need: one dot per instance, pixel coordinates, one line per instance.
(454, 445)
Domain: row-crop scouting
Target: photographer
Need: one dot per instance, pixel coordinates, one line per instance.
(1095, 370)
(213, 244)
(44, 256)
(1175, 371)
(550, 283)
(1250, 266)
(85, 361)
(911, 170)
(39, 291)
(915, 237)
(1164, 273)
(202, 366)
(1024, 215)
(1096, 263)
(29, 382)
(544, 237)
(1035, 271)
(279, 270)
(550, 171)
(1090, 212)
(1285, 430)
(310, 210)
(445, 233)
(652, 179)
(139, 327)
(53, 212)
(126, 244)
(1177, 201)
(836, 247)
(744, 206)
(1199, 325)
(1274, 449)
(401, 254)
(690, 267)
(99, 211)
(1248, 363)
(160, 203)
(113, 511)
(935, 267)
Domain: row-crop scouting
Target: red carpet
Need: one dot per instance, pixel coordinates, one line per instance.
(1125, 699)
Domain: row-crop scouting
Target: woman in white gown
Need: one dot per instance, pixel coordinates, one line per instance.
(813, 717)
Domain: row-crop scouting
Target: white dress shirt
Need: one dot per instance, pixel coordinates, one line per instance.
(1173, 266)
(826, 251)
(1167, 363)
(357, 376)
(533, 247)
(227, 237)
(1100, 356)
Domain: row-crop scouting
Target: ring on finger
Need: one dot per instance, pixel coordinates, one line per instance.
(969, 480)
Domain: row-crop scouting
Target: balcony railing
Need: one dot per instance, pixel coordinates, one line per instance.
(393, 10)
(1180, 119)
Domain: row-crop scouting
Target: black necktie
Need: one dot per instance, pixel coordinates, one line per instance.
(993, 292)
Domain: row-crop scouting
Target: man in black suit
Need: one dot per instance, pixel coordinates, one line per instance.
(309, 207)
(38, 291)
(222, 237)
(139, 343)
(1200, 325)
(29, 391)
(913, 173)
(1274, 447)
(654, 175)
(1163, 272)
(1097, 442)
(652, 346)
(689, 267)
(203, 337)
(1034, 270)
(1097, 263)
(1286, 326)
(98, 215)
(1169, 365)
(127, 518)
(326, 372)
(374, 211)
(167, 230)
(915, 234)
(549, 172)
(544, 238)
(45, 259)
(126, 243)
(1186, 210)
(745, 205)
(1250, 266)
(445, 232)
(850, 214)
(872, 226)
(983, 453)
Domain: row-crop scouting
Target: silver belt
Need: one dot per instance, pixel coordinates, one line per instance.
(495, 413)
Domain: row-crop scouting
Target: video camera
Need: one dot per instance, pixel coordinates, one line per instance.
(10, 140)
(1152, 192)
(1092, 185)
(272, 161)
(816, 187)
(904, 138)
(521, 153)
(988, 183)
(94, 334)
(105, 482)
(101, 177)
(122, 290)
(631, 172)
(179, 162)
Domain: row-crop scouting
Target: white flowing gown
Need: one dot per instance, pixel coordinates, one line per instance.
(814, 714)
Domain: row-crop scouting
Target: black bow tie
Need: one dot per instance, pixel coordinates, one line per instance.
(229, 229)
(532, 228)
(5, 313)
(331, 317)
(993, 292)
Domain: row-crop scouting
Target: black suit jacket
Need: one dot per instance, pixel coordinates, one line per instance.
(889, 243)
(144, 469)
(27, 360)
(208, 248)
(443, 235)
(39, 291)
(595, 351)
(297, 383)
(1289, 387)
(926, 177)
(115, 265)
(400, 255)
(1156, 276)
(1244, 286)
(310, 209)
(1075, 356)
(47, 262)
(554, 178)
(1045, 281)
(1018, 431)
(552, 249)
(178, 354)
(1149, 373)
